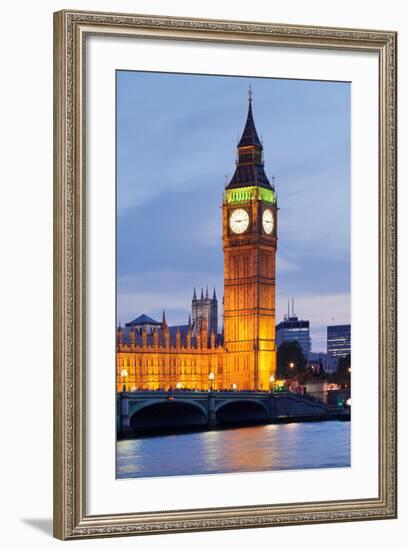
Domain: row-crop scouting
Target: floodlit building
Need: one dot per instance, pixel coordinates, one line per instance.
(153, 355)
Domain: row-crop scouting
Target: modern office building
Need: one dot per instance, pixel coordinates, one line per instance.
(293, 328)
(338, 340)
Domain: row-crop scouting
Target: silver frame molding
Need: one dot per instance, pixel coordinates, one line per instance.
(70, 31)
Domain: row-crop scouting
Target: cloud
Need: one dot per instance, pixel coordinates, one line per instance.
(181, 158)
(133, 304)
(320, 309)
(171, 290)
(284, 265)
(153, 291)
(174, 149)
(208, 233)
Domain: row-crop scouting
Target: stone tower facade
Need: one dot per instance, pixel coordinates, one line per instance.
(249, 246)
(196, 355)
(205, 308)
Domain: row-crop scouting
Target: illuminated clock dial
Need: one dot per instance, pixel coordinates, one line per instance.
(239, 220)
(268, 221)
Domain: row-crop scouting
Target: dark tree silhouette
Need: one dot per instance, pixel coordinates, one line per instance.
(342, 375)
(315, 371)
(290, 353)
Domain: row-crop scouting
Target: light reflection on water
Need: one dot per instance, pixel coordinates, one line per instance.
(257, 448)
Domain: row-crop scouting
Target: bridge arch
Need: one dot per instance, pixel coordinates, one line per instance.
(138, 406)
(163, 414)
(238, 410)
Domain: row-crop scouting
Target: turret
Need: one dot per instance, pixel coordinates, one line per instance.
(132, 338)
(204, 333)
(165, 331)
(213, 339)
(189, 333)
(144, 337)
(119, 337)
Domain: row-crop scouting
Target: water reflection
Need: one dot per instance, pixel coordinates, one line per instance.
(258, 448)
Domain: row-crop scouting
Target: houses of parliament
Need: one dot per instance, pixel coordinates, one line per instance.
(242, 355)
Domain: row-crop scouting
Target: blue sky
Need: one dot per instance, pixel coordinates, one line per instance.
(176, 142)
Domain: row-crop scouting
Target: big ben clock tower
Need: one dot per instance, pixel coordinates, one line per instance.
(249, 244)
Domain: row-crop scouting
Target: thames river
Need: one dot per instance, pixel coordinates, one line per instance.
(249, 449)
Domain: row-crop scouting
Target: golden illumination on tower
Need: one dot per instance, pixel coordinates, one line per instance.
(196, 356)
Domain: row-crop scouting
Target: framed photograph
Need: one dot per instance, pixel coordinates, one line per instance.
(225, 274)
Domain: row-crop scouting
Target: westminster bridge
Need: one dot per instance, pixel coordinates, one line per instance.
(149, 411)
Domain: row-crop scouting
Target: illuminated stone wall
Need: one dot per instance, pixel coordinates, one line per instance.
(179, 366)
(246, 357)
(249, 299)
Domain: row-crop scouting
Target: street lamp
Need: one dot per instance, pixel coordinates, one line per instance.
(211, 378)
(124, 374)
(178, 385)
(291, 365)
(271, 380)
(234, 387)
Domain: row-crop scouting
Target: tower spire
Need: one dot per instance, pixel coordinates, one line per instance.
(249, 170)
(250, 136)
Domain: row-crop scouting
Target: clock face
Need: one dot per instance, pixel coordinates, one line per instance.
(239, 220)
(268, 221)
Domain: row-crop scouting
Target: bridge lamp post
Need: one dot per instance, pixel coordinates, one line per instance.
(211, 378)
(271, 380)
(234, 387)
(178, 385)
(124, 374)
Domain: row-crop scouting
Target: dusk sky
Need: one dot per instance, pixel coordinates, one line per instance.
(176, 142)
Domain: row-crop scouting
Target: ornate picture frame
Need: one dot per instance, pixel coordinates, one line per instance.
(71, 29)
